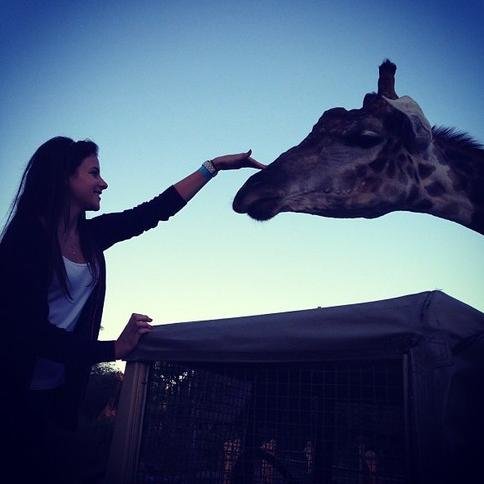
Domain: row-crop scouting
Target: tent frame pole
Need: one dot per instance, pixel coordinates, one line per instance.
(125, 445)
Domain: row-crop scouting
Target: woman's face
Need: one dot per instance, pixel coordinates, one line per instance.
(86, 185)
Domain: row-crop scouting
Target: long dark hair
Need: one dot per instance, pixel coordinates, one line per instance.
(43, 195)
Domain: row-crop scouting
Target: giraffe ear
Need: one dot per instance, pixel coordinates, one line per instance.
(418, 132)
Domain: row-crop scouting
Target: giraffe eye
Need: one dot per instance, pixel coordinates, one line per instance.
(365, 139)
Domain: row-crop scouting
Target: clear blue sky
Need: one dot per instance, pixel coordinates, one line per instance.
(162, 86)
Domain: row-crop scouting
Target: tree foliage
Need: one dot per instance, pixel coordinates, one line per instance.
(102, 391)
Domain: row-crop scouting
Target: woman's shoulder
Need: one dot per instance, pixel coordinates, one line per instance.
(24, 234)
(24, 261)
(22, 226)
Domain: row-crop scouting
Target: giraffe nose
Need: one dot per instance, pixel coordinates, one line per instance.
(274, 175)
(262, 186)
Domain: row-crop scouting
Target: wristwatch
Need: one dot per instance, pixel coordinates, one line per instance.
(210, 167)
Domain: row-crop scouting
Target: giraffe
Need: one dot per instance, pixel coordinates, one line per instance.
(371, 161)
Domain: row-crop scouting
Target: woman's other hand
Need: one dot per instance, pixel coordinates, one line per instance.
(137, 325)
(234, 162)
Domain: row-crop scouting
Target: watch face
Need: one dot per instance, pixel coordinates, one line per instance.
(209, 166)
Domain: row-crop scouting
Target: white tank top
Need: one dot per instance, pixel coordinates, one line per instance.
(63, 313)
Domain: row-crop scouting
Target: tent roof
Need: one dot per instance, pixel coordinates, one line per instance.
(356, 330)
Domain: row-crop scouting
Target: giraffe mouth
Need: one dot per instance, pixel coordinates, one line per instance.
(267, 206)
(260, 204)
(263, 209)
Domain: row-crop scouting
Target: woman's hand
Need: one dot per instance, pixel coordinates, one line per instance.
(234, 162)
(128, 339)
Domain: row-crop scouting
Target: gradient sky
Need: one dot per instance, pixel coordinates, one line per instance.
(162, 86)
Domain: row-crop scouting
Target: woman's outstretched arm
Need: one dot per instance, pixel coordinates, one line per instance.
(191, 184)
(111, 228)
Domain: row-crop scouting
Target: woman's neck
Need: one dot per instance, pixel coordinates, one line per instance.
(69, 241)
(70, 225)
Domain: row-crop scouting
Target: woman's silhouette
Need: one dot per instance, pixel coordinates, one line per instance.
(52, 296)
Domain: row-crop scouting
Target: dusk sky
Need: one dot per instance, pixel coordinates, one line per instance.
(163, 86)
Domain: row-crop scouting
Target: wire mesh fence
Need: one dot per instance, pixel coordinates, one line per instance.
(339, 423)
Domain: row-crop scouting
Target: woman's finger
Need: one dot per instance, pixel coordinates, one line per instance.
(242, 156)
(256, 164)
(142, 317)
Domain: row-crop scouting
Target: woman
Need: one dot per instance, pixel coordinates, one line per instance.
(52, 264)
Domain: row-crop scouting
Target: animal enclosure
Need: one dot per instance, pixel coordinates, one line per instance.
(354, 394)
(335, 422)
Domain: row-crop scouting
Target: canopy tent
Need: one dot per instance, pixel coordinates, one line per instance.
(437, 340)
(370, 328)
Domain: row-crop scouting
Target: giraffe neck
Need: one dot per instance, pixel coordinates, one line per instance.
(451, 176)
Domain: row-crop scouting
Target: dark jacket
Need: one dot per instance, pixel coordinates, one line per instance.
(26, 331)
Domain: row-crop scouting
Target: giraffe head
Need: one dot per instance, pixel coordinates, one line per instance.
(356, 163)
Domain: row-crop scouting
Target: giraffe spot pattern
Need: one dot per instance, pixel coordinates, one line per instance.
(348, 179)
(435, 189)
(373, 184)
(413, 195)
(459, 181)
(410, 171)
(402, 176)
(391, 169)
(361, 171)
(378, 164)
(424, 205)
(452, 208)
(424, 170)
